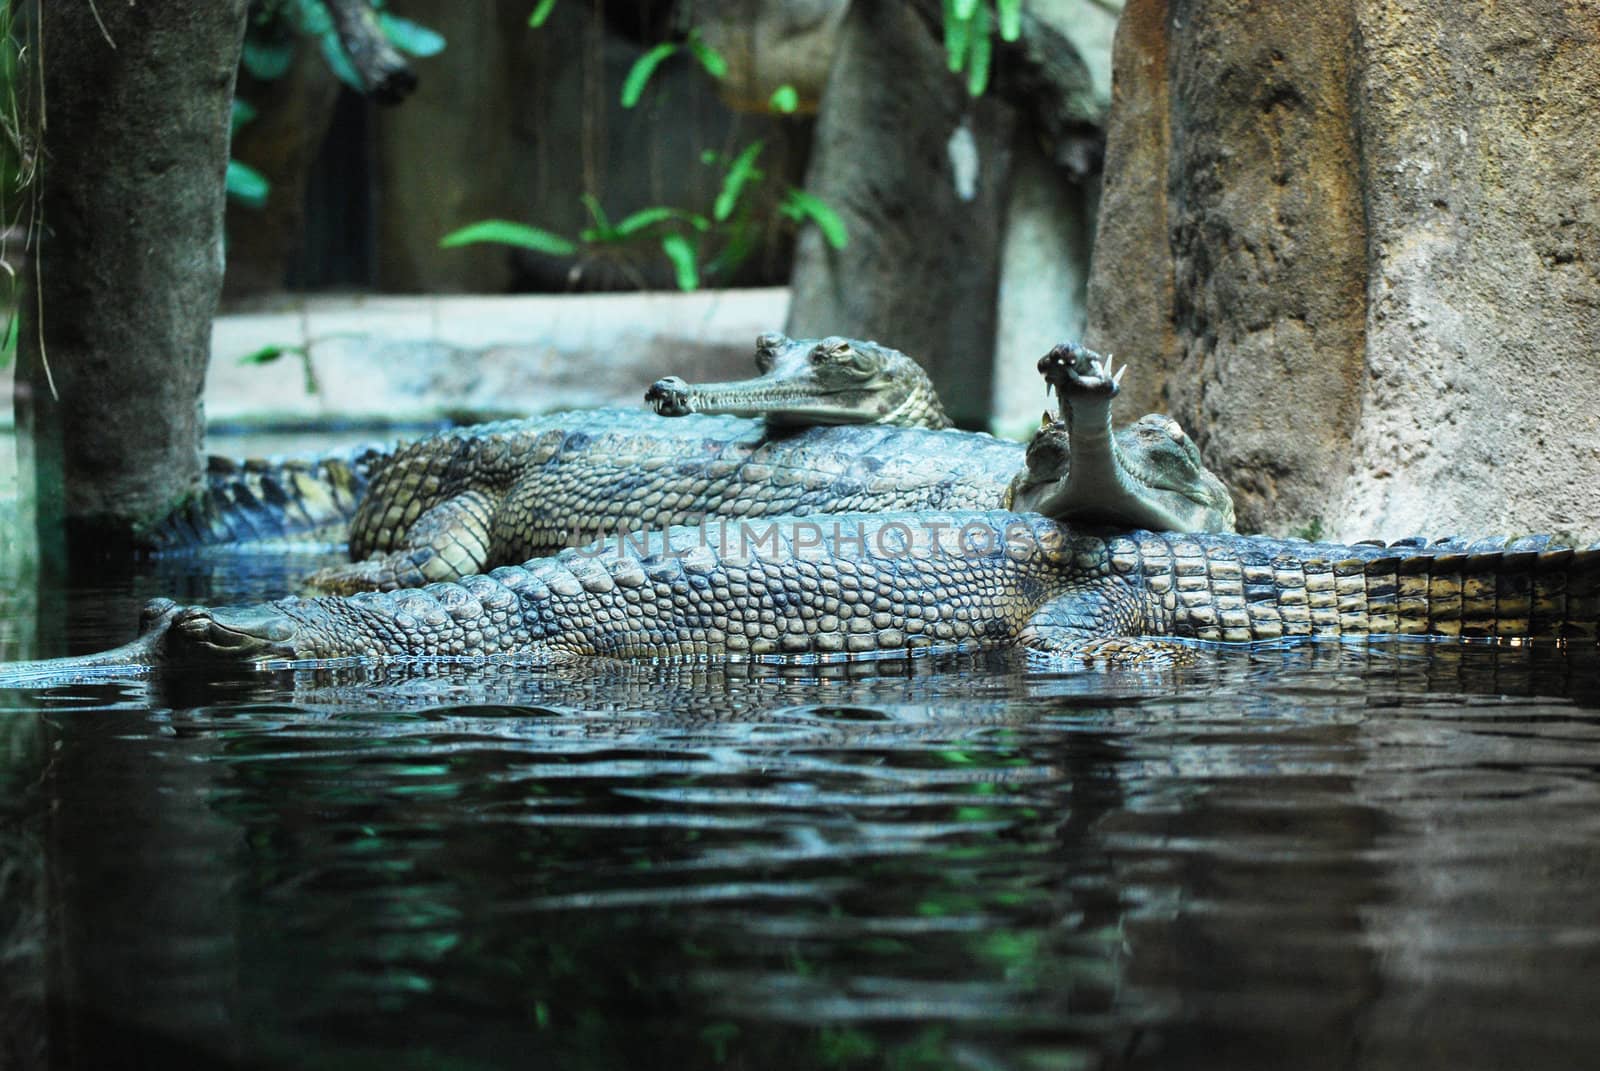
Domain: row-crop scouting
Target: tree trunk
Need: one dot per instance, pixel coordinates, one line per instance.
(1355, 247)
(919, 172)
(113, 347)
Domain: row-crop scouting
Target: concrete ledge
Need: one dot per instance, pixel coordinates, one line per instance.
(405, 360)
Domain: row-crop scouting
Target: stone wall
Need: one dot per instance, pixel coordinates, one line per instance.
(1355, 248)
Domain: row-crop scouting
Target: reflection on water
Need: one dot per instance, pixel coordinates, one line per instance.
(1296, 857)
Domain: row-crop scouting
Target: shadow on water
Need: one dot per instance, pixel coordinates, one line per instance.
(1311, 856)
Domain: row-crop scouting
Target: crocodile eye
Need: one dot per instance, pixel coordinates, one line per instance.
(858, 362)
(841, 356)
(768, 346)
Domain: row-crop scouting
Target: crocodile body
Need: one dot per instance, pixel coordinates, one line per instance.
(512, 491)
(801, 383)
(886, 585)
(843, 426)
(270, 499)
(465, 501)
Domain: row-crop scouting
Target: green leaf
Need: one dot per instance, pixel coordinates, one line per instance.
(409, 36)
(243, 112)
(956, 32)
(1010, 18)
(507, 233)
(740, 241)
(965, 9)
(978, 58)
(596, 213)
(709, 58)
(733, 183)
(541, 13)
(800, 206)
(639, 74)
(267, 60)
(681, 253)
(339, 63)
(244, 183)
(268, 354)
(649, 217)
(313, 18)
(645, 217)
(602, 231)
(784, 99)
(8, 347)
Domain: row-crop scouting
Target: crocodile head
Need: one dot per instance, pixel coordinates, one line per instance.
(1149, 474)
(804, 382)
(237, 636)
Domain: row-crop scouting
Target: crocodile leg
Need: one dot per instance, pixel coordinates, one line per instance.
(1099, 623)
(447, 542)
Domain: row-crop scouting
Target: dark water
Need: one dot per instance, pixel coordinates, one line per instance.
(1321, 856)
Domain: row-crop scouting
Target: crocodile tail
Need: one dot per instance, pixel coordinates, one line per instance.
(1526, 588)
(1227, 588)
(302, 499)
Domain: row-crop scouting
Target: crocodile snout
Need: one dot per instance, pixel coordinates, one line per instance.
(1071, 367)
(669, 396)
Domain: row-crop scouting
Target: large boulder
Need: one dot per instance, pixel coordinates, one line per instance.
(1355, 248)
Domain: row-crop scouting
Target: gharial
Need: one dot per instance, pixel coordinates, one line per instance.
(823, 588)
(803, 383)
(467, 500)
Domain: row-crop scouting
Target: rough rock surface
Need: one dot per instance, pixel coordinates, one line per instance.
(1355, 248)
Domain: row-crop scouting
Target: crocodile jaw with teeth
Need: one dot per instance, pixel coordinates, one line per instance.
(1149, 474)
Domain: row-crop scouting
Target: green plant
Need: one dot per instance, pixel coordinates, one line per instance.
(276, 27)
(244, 183)
(272, 38)
(969, 27)
(270, 354)
(19, 119)
(699, 245)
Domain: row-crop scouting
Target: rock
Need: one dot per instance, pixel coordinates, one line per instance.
(1355, 249)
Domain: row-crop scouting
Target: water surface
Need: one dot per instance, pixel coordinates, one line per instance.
(1312, 856)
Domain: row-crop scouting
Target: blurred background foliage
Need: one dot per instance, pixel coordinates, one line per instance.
(18, 157)
(562, 146)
